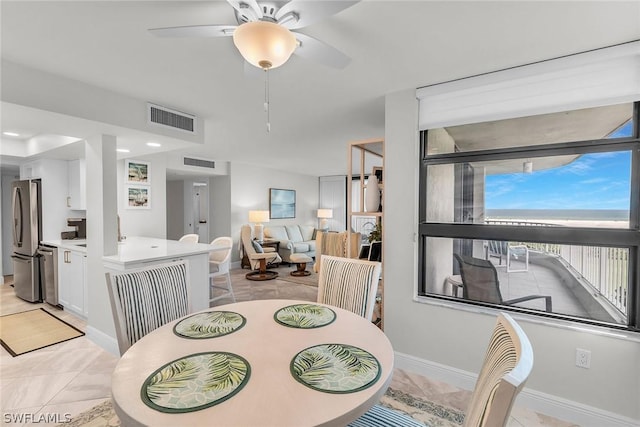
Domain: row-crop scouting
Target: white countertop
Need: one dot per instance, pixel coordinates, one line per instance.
(70, 244)
(143, 249)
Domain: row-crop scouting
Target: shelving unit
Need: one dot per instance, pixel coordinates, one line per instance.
(362, 158)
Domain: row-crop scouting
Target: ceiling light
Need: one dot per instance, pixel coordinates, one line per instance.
(10, 133)
(154, 144)
(122, 150)
(264, 44)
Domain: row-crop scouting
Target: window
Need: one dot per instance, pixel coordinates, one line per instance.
(518, 210)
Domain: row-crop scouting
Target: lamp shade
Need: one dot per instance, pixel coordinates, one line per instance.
(325, 213)
(264, 44)
(258, 216)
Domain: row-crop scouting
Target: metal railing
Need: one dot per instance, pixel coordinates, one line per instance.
(604, 269)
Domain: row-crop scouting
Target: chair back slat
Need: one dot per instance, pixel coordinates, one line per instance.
(350, 284)
(507, 365)
(145, 299)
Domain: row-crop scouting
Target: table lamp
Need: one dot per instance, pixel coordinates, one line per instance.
(257, 218)
(323, 215)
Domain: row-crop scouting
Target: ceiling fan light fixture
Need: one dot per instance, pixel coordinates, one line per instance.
(264, 44)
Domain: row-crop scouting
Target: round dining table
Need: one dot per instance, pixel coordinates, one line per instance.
(284, 363)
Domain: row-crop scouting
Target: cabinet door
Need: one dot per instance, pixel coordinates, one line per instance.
(71, 285)
(77, 198)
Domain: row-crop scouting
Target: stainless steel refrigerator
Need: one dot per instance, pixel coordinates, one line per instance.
(27, 233)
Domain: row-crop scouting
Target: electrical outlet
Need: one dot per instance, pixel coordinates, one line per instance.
(583, 358)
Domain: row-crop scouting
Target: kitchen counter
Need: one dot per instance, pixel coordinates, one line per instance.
(79, 245)
(137, 250)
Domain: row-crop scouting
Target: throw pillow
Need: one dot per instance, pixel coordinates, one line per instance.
(257, 246)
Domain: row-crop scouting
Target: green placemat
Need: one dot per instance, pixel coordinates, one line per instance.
(335, 368)
(195, 382)
(305, 316)
(210, 324)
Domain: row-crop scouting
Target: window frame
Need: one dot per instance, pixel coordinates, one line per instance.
(626, 238)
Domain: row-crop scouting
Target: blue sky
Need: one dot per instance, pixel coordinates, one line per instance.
(592, 181)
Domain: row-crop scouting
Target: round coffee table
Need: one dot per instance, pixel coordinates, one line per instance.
(301, 261)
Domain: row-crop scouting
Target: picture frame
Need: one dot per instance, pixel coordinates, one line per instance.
(137, 172)
(377, 171)
(282, 203)
(138, 197)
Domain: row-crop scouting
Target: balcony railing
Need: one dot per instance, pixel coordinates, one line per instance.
(604, 269)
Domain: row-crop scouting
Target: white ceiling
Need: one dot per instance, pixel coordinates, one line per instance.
(315, 110)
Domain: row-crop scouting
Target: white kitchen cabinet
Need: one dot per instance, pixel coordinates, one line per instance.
(72, 287)
(77, 184)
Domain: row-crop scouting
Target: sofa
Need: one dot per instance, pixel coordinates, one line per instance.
(294, 239)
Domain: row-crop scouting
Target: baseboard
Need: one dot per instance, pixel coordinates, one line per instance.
(105, 341)
(564, 409)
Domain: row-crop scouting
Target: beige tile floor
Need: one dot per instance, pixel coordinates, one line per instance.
(71, 377)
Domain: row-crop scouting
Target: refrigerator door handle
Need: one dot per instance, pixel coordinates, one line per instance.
(17, 217)
(22, 258)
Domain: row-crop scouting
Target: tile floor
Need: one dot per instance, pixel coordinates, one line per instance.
(71, 377)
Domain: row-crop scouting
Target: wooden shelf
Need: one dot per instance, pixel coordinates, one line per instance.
(376, 214)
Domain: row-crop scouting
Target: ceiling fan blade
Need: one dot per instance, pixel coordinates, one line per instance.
(249, 8)
(309, 12)
(315, 50)
(195, 31)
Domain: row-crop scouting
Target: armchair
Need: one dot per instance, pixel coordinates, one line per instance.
(257, 260)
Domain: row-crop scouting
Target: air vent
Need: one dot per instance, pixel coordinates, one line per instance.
(171, 118)
(190, 161)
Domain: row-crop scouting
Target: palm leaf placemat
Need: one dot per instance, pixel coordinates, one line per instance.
(34, 329)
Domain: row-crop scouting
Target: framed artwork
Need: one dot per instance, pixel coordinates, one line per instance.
(377, 171)
(138, 197)
(138, 172)
(282, 203)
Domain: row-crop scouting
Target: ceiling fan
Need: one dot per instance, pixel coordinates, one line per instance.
(263, 32)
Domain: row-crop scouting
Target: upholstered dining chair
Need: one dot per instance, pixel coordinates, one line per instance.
(349, 283)
(145, 299)
(189, 238)
(507, 365)
(219, 267)
(480, 283)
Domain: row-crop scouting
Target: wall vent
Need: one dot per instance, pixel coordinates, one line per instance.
(171, 118)
(190, 161)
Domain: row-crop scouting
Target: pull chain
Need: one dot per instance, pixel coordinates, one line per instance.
(266, 98)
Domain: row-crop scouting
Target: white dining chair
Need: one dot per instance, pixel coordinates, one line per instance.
(189, 238)
(145, 299)
(349, 283)
(219, 267)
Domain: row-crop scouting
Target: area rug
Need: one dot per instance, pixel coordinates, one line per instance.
(311, 280)
(31, 330)
(429, 413)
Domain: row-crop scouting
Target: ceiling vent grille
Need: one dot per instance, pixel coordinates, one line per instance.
(171, 118)
(190, 161)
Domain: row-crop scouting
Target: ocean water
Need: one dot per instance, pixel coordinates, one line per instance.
(560, 214)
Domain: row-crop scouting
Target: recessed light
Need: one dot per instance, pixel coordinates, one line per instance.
(154, 144)
(10, 133)
(122, 150)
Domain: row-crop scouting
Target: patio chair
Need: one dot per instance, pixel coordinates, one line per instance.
(189, 238)
(507, 365)
(219, 267)
(505, 251)
(480, 283)
(145, 299)
(349, 283)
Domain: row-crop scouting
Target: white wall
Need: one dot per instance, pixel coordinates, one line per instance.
(220, 206)
(250, 189)
(455, 337)
(145, 222)
(175, 212)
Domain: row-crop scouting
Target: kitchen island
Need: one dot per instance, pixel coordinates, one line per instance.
(139, 252)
